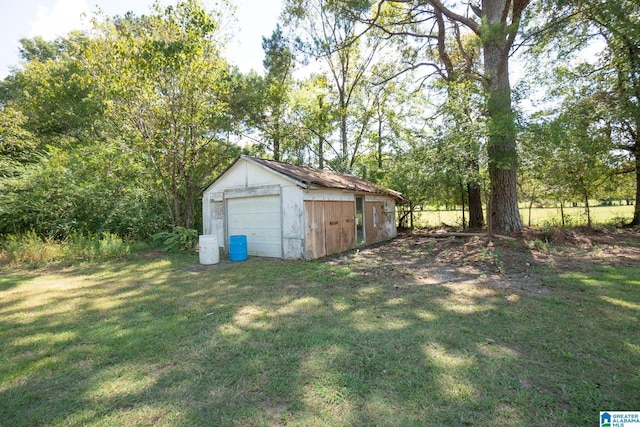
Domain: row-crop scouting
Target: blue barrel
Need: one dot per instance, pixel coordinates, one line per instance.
(238, 248)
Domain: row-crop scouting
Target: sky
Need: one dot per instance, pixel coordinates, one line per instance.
(53, 18)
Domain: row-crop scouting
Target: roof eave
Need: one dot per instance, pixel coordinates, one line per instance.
(280, 174)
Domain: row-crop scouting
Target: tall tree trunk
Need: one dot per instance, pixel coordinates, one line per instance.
(502, 131)
(587, 209)
(344, 163)
(636, 212)
(476, 216)
(320, 152)
(320, 136)
(379, 139)
(345, 143)
(276, 143)
(463, 200)
(531, 200)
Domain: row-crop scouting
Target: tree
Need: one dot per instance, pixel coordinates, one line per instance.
(496, 23)
(614, 72)
(17, 144)
(326, 31)
(52, 90)
(167, 86)
(61, 169)
(463, 127)
(267, 99)
(279, 66)
(570, 154)
(314, 111)
(458, 144)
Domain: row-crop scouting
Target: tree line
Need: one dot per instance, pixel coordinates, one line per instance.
(117, 129)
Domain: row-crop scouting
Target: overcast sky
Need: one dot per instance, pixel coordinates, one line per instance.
(52, 18)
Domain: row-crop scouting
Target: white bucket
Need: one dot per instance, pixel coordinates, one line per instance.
(209, 250)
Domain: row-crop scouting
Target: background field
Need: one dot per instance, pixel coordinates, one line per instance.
(540, 217)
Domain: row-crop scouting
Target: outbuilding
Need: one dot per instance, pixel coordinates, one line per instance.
(288, 211)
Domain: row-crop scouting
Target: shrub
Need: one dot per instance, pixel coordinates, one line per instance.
(180, 239)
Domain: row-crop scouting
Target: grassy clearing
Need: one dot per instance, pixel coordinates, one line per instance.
(313, 343)
(540, 217)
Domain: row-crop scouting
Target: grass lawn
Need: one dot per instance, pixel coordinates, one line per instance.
(359, 341)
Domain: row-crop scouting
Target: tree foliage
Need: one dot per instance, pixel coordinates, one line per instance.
(166, 83)
(119, 128)
(325, 31)
(611, 76)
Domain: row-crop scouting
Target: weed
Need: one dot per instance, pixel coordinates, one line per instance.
(180, 239)
(538, 245)
(31, 249)
(492, 257)
(95, 247)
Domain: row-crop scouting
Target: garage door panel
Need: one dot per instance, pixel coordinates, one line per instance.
(259, 218)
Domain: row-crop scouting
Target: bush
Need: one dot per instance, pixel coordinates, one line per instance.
(180, 239)
(66, 193)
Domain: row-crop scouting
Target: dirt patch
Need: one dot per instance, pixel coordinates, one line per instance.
(424, 257)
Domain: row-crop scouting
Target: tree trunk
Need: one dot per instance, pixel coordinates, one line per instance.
(188, 210)
(320, 152)
(587, 210)
(379, 138)
(636, 211)
(343, 135)
(476, 216)
(462, 198)
(320, 137)
(501, 125)
(276, 144)
(531, 200)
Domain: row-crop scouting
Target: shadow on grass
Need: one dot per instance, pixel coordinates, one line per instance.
(317, 343)
(8, 281)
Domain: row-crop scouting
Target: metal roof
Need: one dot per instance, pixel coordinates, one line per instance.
(323, 178)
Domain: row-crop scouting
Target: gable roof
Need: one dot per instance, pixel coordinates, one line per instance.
(307, 176)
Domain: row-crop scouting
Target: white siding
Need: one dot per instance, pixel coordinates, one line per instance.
(253, 200)
(292, 222)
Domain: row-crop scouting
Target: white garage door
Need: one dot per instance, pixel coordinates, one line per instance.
(258, 218)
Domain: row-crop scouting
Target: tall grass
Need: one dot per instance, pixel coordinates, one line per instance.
(31, 249)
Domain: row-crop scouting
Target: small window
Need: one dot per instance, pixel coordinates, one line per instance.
(375, 216)
(360, 237)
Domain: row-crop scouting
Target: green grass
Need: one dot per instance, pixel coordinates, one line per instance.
(540, 217)
(312, 344)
